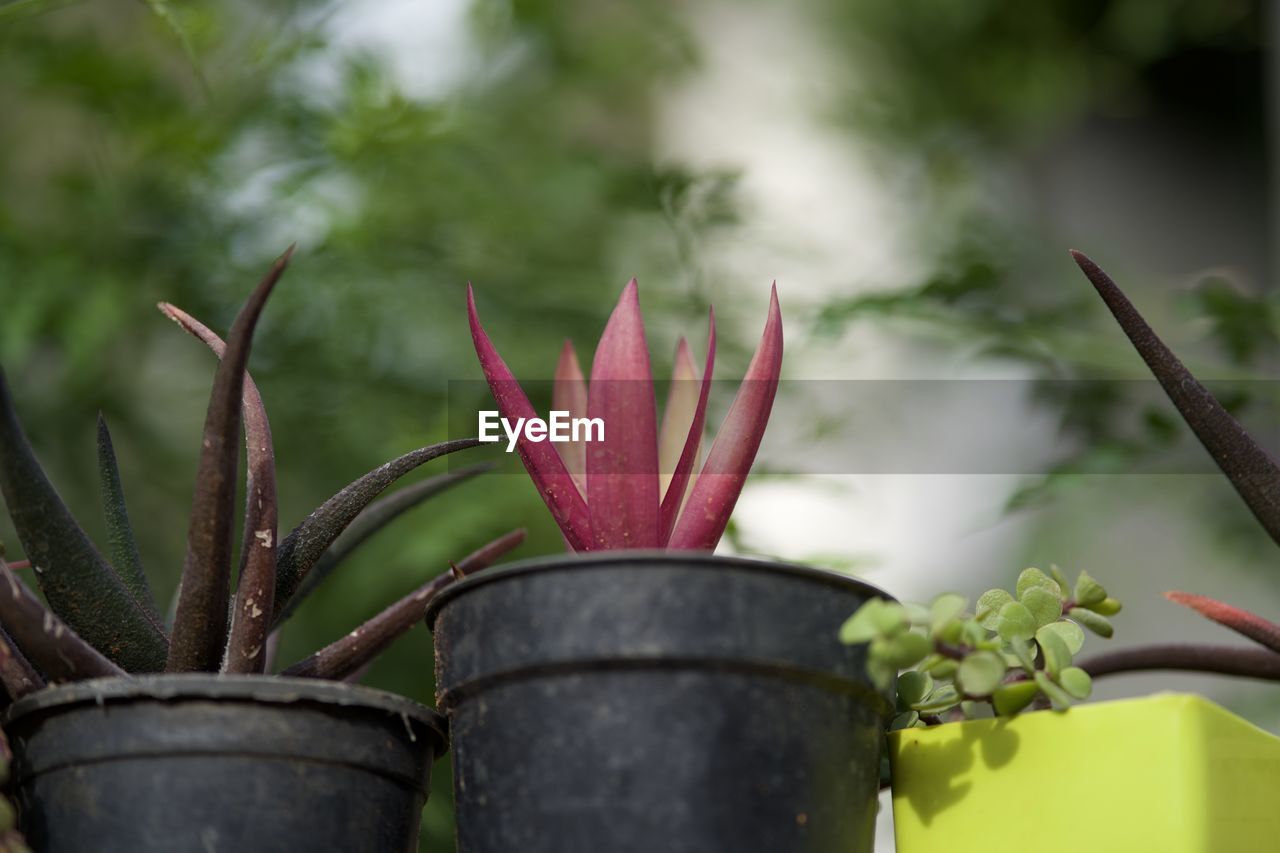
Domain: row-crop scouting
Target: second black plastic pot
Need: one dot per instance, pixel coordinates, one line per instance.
(244, 764)
(658, 702)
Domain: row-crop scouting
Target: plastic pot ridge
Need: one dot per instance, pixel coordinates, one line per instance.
(664, 702)
(249, 764)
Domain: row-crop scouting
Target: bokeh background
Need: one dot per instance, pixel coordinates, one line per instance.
(911, 173)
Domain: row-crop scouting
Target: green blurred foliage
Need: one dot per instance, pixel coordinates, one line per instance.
(168, 151)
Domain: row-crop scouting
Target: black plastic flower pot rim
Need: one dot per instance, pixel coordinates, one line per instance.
(269, 689)
(685, 560)
(250, 763)
(570, 562)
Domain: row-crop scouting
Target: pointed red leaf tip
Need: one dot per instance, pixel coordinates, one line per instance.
(686, 405)
(569, 394)
(622, 469)
(716, 490)
(1243, 622)
(1248, 466)
(542, 461)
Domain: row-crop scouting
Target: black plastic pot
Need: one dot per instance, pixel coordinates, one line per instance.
(658, 702)
(220, 763)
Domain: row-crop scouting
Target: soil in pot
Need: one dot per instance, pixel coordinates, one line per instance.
(658, 702)
(220, 763)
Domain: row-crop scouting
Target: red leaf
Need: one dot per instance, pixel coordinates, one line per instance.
(716, 490)
(622, 469)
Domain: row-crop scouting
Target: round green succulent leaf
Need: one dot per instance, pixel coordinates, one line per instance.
(913, 686)
(1020, 653)
(952, 632)
(1088, 591)
(1076, 681)
(1107, 607)
(989, 604)
(973, 633)
(1059, 697)
(943, 668)
(905, 720)
(1034, 577)
(943, 698)
(917, 614)
(1095, 622)
(945, 609)
(903, 650)
(1043, 604)
(1016, 622)
(1056, 654)
(980, 673)
(880, 672)
(875, 618)
(1069, 632)
(1009, 699)
(1059, 577)
(860, 627)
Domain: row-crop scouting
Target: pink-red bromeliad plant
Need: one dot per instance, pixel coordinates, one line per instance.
(637, 486)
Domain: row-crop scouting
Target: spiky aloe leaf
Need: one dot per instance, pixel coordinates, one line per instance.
(302, 548)
(78, 582)
(250, 617)
(124, 548)
(373, 518)
(200, 625)
(358, 648)
(17, 675)
(55, 649)
(1247, 465)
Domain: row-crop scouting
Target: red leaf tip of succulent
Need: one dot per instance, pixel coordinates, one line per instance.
(1243, 622)
(1202, 604)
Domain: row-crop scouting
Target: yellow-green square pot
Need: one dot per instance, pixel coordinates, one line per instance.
(1171, 773)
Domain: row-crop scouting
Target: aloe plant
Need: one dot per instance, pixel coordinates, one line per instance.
(101, 618)
(638, 487)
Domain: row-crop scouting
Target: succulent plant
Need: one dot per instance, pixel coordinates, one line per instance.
(638, 487)
(1013, 650)
(101, 618)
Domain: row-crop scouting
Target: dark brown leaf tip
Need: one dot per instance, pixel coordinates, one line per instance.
(1245, 463)
(201, 625)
